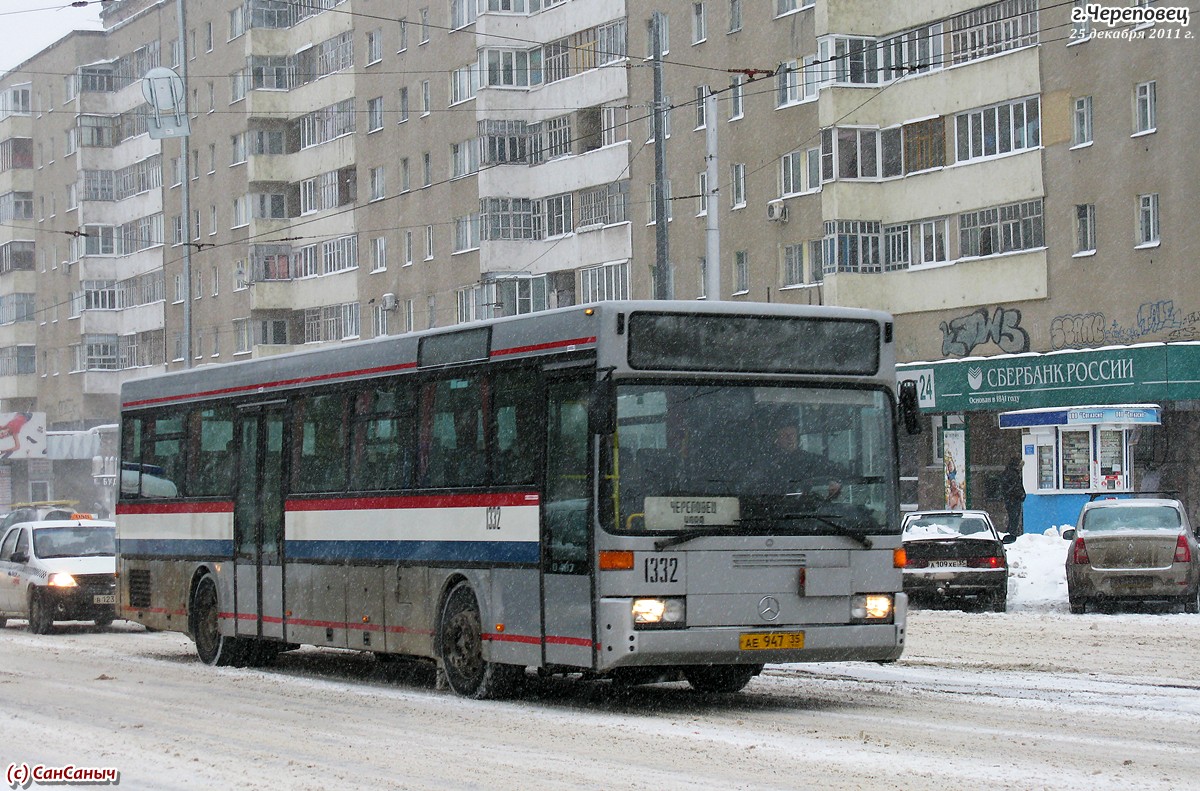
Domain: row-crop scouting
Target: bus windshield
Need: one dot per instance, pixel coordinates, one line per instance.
(746, 458)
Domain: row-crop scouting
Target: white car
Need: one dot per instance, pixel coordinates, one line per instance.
(58, 570)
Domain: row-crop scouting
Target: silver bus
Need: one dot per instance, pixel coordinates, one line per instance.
(598, 490)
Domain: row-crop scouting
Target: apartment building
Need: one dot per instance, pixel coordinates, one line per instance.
(1000, 182)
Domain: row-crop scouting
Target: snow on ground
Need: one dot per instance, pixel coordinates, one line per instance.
(1037, 574)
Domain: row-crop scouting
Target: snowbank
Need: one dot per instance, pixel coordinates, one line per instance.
(1037, 576)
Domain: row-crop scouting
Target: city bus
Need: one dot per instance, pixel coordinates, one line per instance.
(592, 491)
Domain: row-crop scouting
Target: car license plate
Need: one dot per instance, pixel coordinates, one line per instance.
(105, 598)
(944, 564)
(759, 641)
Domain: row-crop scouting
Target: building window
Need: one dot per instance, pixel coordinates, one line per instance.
(1145, 110)
(793, 264)
(374, 114)
(852, 246)
(559, 215)
(1013, 126)
(428, 242)
(403, 105)
(1085, 228)
(1083, 121)
(507, 68)
(896, 250)
(466, 233)
(929, 242)
(741, 272)
(464, 158)
(378, 183)
(1003, 229)
(699, 23)
(701, 94)
(736, 93)
(378, 253)
(464, 82)
(735, 15)
(374, 46)
(604, 282)
(787, 84)
(737, 178)
(1148, 220)
(858, 153)
(426, 98)
(701, 194)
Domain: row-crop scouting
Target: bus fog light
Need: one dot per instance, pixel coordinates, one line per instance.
(658, 612)
(871, 607)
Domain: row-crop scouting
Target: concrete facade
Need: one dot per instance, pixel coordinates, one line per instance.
(356, 171)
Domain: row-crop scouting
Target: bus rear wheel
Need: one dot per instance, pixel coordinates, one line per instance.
(212, 647)
(720, 678)
(461, 641)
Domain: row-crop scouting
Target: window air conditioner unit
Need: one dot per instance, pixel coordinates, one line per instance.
(389, 301)
(777, 212)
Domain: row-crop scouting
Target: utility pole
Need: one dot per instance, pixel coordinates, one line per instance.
(186, 154)
(661, 246)
(712, 232)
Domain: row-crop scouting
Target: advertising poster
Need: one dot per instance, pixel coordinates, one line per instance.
(22, 435)
(954, 458)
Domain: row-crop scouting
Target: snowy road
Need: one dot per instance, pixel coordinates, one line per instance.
(1021, 700)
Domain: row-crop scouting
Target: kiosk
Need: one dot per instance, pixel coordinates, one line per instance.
(1071, 453)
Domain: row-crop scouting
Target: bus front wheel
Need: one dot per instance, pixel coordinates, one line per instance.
(461, 641)
(212, 647)
(720, 678)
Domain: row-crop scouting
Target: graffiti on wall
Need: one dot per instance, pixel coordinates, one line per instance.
(1159, 320)
(960, 336)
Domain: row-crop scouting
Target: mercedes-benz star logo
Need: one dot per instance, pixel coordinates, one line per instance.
(768, 608)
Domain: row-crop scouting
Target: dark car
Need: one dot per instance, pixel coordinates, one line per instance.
(1133, 550)
(955, 556)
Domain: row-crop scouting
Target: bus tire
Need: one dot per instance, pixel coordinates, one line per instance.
(40, 616)
(720, 678)
(460, 639)
(212, 647)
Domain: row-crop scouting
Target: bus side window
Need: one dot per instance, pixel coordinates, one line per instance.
(320, 442)
(210, 452)
(381, 454)
(516, 413)
(163, 469)
(452, 433)
(131, 456)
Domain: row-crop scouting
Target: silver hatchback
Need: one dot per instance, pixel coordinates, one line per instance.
(1133, 550)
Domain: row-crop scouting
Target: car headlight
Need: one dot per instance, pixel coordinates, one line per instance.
(872, 607)
(61, 579)
(662, 613)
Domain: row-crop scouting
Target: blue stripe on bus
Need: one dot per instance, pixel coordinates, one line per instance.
(189, 547)
(442, 551)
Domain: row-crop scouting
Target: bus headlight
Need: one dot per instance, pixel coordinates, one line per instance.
(61, 579)
(871, 607)
(661, 613)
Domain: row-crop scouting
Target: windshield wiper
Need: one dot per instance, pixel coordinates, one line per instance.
(680, 538)
(825, 519)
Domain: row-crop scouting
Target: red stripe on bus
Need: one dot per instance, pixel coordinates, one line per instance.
(221, 507)
(381, 369)
(578, 641)
(511, 638)
(538, 347)
(415, 501)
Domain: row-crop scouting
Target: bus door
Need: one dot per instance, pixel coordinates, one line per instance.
(567, 613)
(258, 522)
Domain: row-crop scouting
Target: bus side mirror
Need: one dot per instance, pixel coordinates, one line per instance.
(910, 408)
(602, 402)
